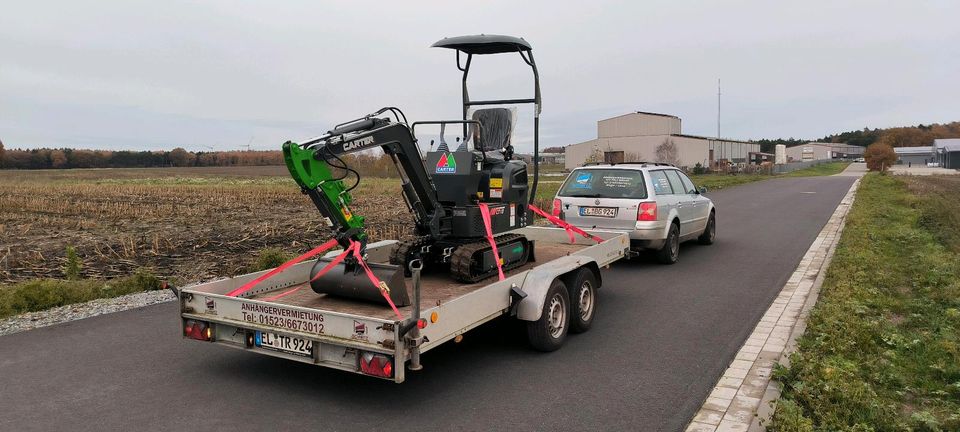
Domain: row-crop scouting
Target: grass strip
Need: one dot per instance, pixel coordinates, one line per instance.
(41, 294)
(881, 351)
(824, 169)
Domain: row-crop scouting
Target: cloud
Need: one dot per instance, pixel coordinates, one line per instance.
(147, 75)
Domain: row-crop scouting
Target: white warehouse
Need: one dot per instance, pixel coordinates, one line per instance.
(636, 136)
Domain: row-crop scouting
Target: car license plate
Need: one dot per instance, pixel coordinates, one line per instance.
(287, 344)
(598, 211)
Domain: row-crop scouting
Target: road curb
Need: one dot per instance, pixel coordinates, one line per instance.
(745, 395)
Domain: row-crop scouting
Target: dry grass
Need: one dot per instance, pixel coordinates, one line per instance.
(186, 228)
(882, 347)
(184, 224)
(942, 215)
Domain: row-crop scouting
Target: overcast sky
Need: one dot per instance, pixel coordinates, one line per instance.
(162, 74)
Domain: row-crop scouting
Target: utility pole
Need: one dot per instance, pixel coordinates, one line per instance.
(718, 108)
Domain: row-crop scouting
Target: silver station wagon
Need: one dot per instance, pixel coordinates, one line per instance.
(655, 203)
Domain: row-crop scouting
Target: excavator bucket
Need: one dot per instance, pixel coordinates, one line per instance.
(350, 281)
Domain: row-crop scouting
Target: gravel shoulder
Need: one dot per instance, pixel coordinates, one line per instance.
(73, 312)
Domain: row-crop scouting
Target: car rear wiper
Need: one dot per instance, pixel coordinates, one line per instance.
(596, 195)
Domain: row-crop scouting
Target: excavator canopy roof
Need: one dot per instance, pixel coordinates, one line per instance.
(484, 44)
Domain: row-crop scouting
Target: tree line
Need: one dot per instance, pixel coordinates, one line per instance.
(375, 165)
(178, 157)
(909, 136)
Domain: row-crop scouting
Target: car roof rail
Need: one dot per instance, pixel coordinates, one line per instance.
(646, 163)
(641, 163)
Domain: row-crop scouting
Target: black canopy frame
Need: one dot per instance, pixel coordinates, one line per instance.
(498, 44)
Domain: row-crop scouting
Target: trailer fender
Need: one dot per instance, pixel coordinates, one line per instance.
(538, 281)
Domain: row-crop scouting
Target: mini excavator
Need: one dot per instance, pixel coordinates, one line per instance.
(456, 196)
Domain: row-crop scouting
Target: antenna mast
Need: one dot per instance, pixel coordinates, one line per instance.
(718, 108)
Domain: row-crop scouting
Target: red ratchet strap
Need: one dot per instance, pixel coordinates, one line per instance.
(354, 249)
(339, 259)
(283, 294)
(313, 252)
(485, 213)
(379, 284)
(333, 263)
(570, 229)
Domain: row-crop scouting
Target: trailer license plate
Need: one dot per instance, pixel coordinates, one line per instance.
(287, 344)
(598, 211)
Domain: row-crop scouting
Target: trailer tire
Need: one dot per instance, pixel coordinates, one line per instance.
(583, 300)
(550, 331)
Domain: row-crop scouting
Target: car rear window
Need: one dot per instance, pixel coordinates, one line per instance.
(604, 183)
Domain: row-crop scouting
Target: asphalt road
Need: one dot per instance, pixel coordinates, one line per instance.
(662, 337)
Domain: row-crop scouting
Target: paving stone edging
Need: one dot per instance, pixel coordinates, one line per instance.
(744, 397)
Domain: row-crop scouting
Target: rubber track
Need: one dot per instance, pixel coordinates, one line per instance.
(402, 255)
(461, 263)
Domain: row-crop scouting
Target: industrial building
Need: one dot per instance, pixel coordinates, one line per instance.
(812, 151)
(636, 136)
(947, 152)
(918, 156)
(552, 156)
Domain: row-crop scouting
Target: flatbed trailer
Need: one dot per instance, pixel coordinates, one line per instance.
(284, 317)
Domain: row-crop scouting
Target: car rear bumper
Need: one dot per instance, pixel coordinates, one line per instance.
(646, 244)
(647, 237)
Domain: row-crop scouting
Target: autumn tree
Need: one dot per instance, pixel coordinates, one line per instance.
(879, 157)
(667, 152)
(180, 157)
(2, 151)
(906, 137)
(58, 159)
(85, 159)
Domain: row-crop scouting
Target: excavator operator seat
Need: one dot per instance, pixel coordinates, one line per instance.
(496, 128)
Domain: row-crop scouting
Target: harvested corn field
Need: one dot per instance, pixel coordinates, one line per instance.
(184, 224)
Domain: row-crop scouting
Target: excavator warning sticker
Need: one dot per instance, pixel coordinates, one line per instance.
(447, 164)
(496, 182)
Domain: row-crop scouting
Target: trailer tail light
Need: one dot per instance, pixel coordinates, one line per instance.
(198, 330)
(376, 364)
(647, 212)
(555, 210)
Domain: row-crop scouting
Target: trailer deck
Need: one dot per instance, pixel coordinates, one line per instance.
(435, 289)
(337, 332)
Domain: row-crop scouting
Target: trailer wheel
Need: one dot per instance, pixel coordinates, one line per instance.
(548, 333)
(583, 300)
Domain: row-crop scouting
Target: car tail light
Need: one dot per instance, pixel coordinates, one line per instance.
(198, 330)
(376, 364)
(556, 207)
(647, 212)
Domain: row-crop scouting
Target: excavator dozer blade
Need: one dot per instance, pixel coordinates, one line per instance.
(346, 281)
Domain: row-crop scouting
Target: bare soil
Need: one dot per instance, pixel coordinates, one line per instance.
(184, 224)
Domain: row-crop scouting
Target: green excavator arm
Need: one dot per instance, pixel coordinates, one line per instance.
(328, 193)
